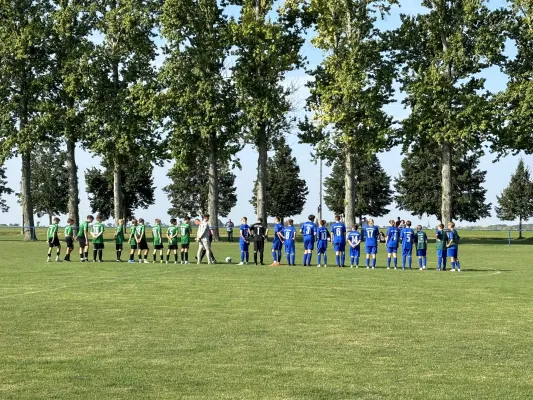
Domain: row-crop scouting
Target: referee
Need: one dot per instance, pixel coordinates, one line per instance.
(259, 235)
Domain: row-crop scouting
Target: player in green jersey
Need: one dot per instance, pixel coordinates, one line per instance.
(452, 244)
(440, 240)
(421, 247)
(97, 233)
(133, 240)
(69, 238)
(83, 238)
(53, 239)
(185, 233)
(119, 239)
(157, 234)
(140, 237)
(172, 236)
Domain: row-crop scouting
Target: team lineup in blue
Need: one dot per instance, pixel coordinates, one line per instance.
(405, 239)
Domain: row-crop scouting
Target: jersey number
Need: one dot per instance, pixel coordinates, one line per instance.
(338, 231)
(370, 233)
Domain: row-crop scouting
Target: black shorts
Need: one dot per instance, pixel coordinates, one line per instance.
(185, 246)
(133, 246)
(70, 242)
(53, 242)
(143, 245)
(158, 247)
(119, 247)
(82, 241)
(98, 246)
(173, 247)
(259, 246)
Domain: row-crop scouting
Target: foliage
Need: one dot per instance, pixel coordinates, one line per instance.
(49, 184)
(372, 187)
(516, 200)
(419, 188)
(4, 190)
(138, 181)
(188, 192)
(285, 191)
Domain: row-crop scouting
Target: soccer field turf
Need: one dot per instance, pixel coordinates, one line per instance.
(152, 331)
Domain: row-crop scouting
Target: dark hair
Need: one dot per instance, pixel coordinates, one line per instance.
(206, 216)
(187, 218)
(291, 222)
(260, 220)
(99, 217)
(70, 220)
(311, 217)
(141, 221)
(337, 217)
(90, 217)
(56, 219)
(356, 226)
(173, 221)
(408, 223)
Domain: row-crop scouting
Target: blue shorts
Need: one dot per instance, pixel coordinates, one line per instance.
(407, 252)
(321, 249)
(371, 249)
(309, 244)
(441, 253)
(392, 249)
(289, 247)
(339, 246)
(244, 246)
(452, 252)
(355, 252)
(421, 252)
(277, 245)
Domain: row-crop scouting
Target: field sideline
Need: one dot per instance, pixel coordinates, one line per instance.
(124, 331)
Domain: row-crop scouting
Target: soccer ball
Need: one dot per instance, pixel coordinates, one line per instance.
(228, 260)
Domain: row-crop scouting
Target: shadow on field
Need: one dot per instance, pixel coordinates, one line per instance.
(496, 241)
(485, 270)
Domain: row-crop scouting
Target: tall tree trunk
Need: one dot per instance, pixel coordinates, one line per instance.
(212, 200)
(262, 149)
(73, 190)
(520, 228)
(446, 183)
(349, 185)
(25, 197)
(118, 196)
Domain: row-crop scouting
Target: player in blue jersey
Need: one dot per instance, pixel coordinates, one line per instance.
(392, 240)
(308, 231)
(440, 240)
(277, 242)
(244, 241)
(407, 236)
(421, 248)
(371, 238)
(453, 247)
(354, 241)
(289, 237)
(338, 231)
(323, 236)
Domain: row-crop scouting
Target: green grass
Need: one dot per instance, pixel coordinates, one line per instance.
(120, 331)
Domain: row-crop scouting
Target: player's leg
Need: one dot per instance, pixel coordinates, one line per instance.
(261, 252)
(367, 258)
(404, 257)
(410, 258)
(374, 258)
(101, 252)
(395, 257)
(343, 254)
(207, 247)
(154, 255)
(256, 244)
(357, 254)
(419, 255)
(389, 257)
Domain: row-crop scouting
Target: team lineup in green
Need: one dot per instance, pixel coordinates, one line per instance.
(398, 236)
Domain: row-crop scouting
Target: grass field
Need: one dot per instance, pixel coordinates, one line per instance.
(152, 331)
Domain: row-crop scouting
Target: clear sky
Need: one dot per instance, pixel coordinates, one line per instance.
(498, 174)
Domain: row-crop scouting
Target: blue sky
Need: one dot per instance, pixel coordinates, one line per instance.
(498, 174)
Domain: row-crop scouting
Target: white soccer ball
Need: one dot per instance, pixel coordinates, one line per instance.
(228, 260)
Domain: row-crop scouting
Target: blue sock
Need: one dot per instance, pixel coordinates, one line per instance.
(310, 258)
(439, 263)
(357, 261)
(368, 262)
(352, 260)
(374, 263)
(403, 262)
(444, 260)
(419, 262)
(338, 260)
(247, 256)
(343, 258)
(396, 263)
(293, 259)
(453, 264)
(457, 264)
(304, 262)
(279, 255)
(388, 262)
(242, 256)
(274, 255)
(325, 259)
(425, 262)
(410, 259)
(319, 258)
(288, 256)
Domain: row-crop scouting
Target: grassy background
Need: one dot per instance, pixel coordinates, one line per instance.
(124, 331)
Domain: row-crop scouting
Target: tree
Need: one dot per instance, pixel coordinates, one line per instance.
(50, 179)
(189, 191)
(372, 188)
(73, 23)
(199, 102)
(138, 187)
(123, 85)
(286, 192)
(419, 185)
(267, 47)
(516, 200)
(442, 52)
(4, 190)
(350, 87)
(24, 75)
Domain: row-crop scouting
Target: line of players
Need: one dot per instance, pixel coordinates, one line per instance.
(447, 243)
